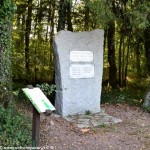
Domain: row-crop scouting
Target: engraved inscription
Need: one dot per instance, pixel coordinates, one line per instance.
(81, 71)
(81, 56)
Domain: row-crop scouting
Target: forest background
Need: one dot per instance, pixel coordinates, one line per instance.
(126, 46)
(127, 36)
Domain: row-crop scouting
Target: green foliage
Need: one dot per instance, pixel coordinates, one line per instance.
(121, 97)
(139, 15)
(6, 16)
(41, 63)
(5, 95)
(7, 7)
(46, 88)
(130, 18)
(15, 127)
(146, 109)
(88, 112)
(21, 98)
(100, 13)
(102, 125)
(132, 95)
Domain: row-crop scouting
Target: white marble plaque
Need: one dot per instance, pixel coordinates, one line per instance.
(81, 56)
(81, 71)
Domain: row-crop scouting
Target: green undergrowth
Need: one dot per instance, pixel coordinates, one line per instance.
(15, 127)
(146, 109)
(23, 100)
(133, 94)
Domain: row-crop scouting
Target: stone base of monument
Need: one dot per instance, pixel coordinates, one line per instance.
(146, 103)
(92, 120)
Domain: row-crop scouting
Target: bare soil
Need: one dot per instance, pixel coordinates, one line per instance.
(133, 133)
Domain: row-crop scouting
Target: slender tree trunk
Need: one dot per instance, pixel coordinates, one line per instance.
(69, 23)
(137, 53)
(1, 2)
(53, 5)
(62, 15)
(111, 55)
(123, 62)
(35, 66)
(27, 38)
(1, 51)
(35, 51)
(127, 60)
(86, 17)
(105, 39)
(120, 61)
(147, 48)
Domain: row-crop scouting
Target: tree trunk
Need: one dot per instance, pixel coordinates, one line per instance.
(123, 63)
(86, 17)
(52, 17)
(27, 37)
(62, 15)
(1, 2)
(53, 5)
(120, 61)
(147, 48)
(127, 61)
(137, 53)
(69, 23)
(111, 55)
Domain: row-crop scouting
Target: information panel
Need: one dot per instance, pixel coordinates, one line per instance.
(38, 99)
(81, 71)
(81, 56)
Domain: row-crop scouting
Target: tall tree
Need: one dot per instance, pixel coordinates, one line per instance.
(147, 47)
(86, 16)
(27, 38)
(69, 18)
(111, 54)
(62, 15)
(6, 15)
(111, 50)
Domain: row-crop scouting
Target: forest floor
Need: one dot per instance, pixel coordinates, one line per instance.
(133, 133)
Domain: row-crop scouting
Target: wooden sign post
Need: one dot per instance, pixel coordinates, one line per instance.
(35, 127)
(40, 105)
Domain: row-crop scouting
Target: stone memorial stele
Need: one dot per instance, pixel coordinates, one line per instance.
(78, 71)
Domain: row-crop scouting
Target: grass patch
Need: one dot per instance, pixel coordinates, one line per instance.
(102, 125)
(88, 112)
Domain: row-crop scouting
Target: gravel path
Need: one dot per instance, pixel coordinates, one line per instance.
(133, 133)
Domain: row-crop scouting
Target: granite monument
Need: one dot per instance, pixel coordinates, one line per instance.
(78, 71)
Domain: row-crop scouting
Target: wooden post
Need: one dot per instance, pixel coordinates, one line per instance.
(35, 128)
(35, 125)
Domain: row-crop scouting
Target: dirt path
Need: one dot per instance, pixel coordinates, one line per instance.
(133, 133)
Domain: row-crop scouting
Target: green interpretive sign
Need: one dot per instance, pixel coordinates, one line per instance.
(38, 99)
